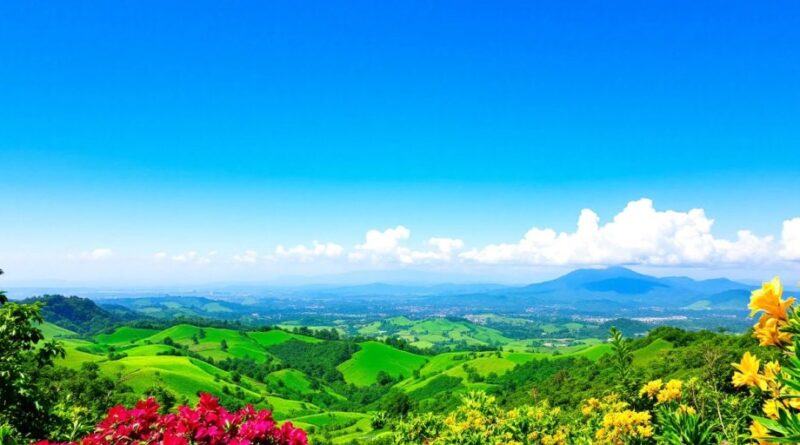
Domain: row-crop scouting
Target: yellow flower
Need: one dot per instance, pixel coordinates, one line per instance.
(671, 391)
(645, 431)
(791, 398)
(768, 332)
(686, 409)
(590, 406)
(759, 432)
(771, 408)
(651, 388)
(771, 370)
(768, 299)
(748, 372)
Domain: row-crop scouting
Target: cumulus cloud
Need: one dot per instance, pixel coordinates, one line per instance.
(639, 234)
(387, 246)
(791, 239)
(383, 245)
(443, 249)
(305, 253)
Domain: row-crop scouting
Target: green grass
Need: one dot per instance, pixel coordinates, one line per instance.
(215, 307)
(362, 369)
(74, 357)
(443, 362)
(276, 337)
(187, 377)
(441, 331)
(183, 375)
(340, 427)
(123, 335)
(50, 331)
(550, 328)
(651, 352)
(400, 321)
(373, 328)
(291, 379)
(593, 352)
(145, 350)
(334, 418)
(240, 345)
(572, 326)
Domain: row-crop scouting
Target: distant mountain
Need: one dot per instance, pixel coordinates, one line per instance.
(377, 290)
(81, 315)
(181, 306)
(624, 286)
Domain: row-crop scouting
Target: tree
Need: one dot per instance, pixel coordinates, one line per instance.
(397, 404)
(622, 357)
(23, 356)
(164, 396)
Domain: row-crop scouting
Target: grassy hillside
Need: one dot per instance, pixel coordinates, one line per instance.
(50, 330)
(332, 387)
(444, 332)
(124, 335)
(213, 343)
(363, 368)
(276, 337)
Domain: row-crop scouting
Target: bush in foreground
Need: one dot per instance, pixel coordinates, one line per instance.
(208, 424)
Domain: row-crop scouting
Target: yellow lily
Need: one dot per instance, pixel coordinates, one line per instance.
(748, 372)
(769, 299)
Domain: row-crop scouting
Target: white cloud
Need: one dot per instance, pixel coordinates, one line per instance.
(791, 239)
(443, 250)
(249, 257)
(386, 245)
(638, 235)
(96, 254)
(189, 257)
(304, 253)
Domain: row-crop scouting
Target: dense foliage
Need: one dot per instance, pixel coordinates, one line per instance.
(209, 423)
(23, 358)
(80, 314)
(319, 359)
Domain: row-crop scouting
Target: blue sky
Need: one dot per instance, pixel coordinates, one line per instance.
(140, 129)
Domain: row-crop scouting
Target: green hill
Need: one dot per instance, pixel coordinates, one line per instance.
(291, 379)
(124, 334)
(444, 332)
(363, 368)
(49, 330)
(276, 337)
(213, 343)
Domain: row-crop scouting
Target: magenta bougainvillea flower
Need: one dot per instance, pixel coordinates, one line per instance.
(208, 424)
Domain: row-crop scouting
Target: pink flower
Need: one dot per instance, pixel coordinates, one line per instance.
(207, 424)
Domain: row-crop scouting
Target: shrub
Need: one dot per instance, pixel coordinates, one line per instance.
(207, 424)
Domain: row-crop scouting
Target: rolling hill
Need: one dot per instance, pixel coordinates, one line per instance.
(374, 357)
